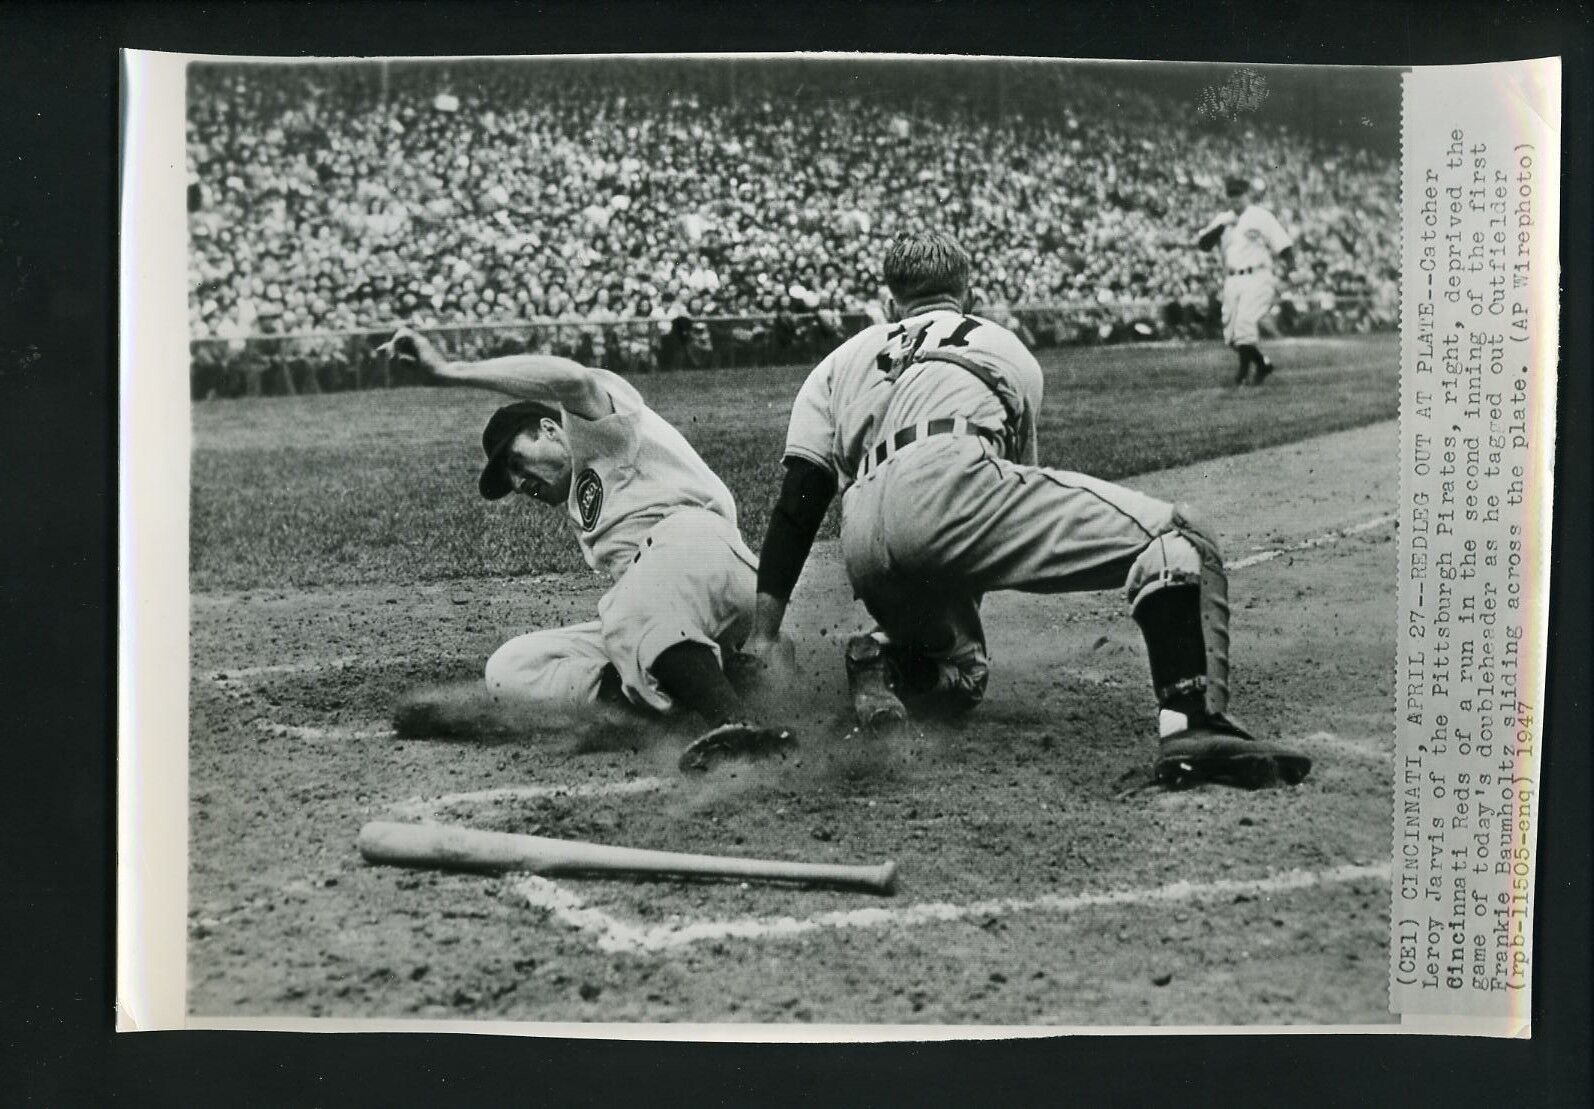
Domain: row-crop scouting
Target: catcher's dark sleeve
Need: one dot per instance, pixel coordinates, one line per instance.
(805, 496)
(1210, 239)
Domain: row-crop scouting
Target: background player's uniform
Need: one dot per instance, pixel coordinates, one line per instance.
(929, 427)
(648, 512)
(1249, 243)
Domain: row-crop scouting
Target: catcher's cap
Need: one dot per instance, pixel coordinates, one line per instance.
(502, 427)
(1236, 186)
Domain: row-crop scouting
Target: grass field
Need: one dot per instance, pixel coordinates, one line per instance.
(380, 486)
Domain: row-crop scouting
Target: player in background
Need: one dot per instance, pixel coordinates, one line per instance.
(1252, 241)
(649, 513)
(927, 426)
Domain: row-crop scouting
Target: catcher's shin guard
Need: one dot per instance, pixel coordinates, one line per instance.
(1170, 621)
(1180, 599)
(1179, 595)
(872, 679)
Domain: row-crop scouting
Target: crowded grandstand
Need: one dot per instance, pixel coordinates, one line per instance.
(655, 215)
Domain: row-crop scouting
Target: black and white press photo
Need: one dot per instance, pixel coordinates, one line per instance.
(789, 540)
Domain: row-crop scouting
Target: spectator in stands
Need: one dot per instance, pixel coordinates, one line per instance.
(545, 192)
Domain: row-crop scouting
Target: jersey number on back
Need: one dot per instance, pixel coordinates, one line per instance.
(902, 350)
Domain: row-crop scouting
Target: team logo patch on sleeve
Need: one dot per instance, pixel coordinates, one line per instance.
(589, 498)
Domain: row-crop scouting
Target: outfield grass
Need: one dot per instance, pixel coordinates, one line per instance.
(381, 486)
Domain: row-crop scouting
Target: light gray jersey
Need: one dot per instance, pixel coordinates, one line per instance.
(629, 471)
(936, 364)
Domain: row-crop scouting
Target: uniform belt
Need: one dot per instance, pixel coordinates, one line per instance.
(876, 455)
(1247, 269)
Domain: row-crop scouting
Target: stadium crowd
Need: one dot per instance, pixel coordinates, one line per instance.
(343, 198)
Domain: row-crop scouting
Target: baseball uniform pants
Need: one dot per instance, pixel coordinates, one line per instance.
(1247, 300)
(690, 582)
(946, 520)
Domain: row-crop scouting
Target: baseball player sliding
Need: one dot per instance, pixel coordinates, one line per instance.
(1251, 240)
(927, 424)
(649, 513)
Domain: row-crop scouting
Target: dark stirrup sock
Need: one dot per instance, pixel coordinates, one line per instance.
(690, 674)
(1250, 356)
(1170, 620)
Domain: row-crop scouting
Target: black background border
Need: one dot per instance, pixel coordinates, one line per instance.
(58, 192)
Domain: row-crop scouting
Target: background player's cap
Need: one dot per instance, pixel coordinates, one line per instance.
(502, 427)
(1236, 186)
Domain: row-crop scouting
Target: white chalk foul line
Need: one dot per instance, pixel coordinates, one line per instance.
(1340, 745)
(1325, 540)
(423, 807)
(305, 666)
(617, 936)
(334, 732)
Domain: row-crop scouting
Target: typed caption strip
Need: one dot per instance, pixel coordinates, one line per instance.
(1480, 171)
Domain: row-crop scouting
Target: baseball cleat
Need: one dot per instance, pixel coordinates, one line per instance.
(880, 712)
(871, 680)
(1219, 750)
(735, 741)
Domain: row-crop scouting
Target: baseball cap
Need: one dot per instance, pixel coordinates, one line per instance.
(502, 427)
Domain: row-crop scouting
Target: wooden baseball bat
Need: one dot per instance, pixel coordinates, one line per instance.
(450, 847)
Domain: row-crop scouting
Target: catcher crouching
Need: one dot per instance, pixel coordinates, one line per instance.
(926, 426)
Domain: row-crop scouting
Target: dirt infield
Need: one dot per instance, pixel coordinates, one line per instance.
(1034, 888)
